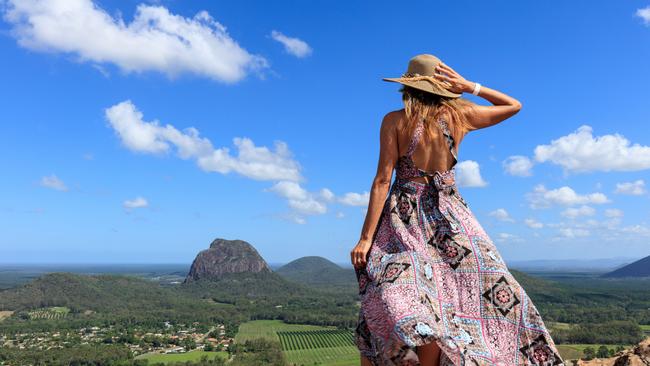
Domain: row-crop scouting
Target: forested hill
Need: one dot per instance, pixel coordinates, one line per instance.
(318, 271)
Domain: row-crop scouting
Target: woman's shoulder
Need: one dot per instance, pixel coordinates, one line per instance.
(394, 117)
(398, 113)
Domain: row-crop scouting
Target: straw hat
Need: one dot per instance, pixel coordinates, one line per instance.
(420, 73)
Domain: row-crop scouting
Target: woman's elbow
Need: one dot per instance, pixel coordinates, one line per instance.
(381, 181)
(516, 106)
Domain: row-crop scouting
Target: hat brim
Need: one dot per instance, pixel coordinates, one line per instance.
(425, 86)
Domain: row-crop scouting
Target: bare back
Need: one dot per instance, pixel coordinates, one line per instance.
(429, 155)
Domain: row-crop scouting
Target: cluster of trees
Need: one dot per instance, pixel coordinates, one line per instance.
(82, 355)
(109, 300)
(259, 351)
(578, 300)
(600, 311)
(269, 296)
(611, 332)
(602, 352)
(250, 353)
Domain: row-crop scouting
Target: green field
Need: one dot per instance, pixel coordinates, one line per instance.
(305, 344)
(52, 313)
(558, 325)
(181, 357)
(268, 328)
(646, 329)
(307, 339)
(575, 351)
(331, 356)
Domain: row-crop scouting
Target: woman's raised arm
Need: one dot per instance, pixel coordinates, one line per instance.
(480, 116)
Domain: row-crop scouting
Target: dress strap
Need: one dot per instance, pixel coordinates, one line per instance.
(419, 128)
(449, 137)
(416, 137)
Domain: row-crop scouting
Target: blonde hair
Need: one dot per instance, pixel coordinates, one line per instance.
(421, 104)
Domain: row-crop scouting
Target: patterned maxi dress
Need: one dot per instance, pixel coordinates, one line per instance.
(433, 275)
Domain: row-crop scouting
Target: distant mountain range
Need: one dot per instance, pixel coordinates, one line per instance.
(570, 265)
(640, 268)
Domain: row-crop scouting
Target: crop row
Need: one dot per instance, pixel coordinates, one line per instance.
(309, 339)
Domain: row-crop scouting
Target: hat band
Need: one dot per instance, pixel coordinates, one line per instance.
(414, 76)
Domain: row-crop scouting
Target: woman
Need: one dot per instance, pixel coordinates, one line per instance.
(434, 289)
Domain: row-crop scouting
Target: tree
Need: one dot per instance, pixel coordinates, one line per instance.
(588, 353)
(620, 348)
(189, 344)
(603, 352)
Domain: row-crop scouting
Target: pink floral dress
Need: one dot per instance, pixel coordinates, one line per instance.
(434, 275)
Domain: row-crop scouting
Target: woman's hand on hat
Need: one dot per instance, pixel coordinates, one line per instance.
(458, 83)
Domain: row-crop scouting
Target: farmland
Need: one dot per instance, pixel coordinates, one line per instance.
(268, 329)
(53, 313)
(305, 344)
(154, 358)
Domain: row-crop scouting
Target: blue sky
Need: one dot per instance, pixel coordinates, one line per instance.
(140, 131)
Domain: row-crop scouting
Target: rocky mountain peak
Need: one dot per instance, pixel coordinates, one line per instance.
(226, 256)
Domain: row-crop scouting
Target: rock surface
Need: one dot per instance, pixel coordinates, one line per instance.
(639, 355)
(226, 256)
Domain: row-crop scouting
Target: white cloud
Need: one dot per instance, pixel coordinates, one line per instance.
(155, 40)
(613, 212)
(299, 199)
(533, 224)
(468, 174)
(355, 199)
(563, 196)
(644, 14)
(294, 46)
(518, 165)
(138, 202)
(507, 237)
(573, 212)
(252, 161)
(573, 232)
(581, 152)
(608, 230)
(636, 188)
(501, 215)
(340, 215)
(326, 195)
(53, 182)
(637, 230)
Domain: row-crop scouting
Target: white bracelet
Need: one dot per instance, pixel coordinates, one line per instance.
(477, 88)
